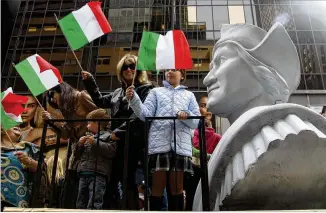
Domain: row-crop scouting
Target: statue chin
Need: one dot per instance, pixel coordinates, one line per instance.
(272, 157)
(216, 110)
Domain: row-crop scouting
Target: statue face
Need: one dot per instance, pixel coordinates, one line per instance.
(30, 109)
(230, 83)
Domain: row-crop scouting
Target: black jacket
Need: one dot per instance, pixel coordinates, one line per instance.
(119, 107)
(104, 154)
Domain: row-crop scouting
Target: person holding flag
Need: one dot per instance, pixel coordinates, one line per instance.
(19, 160)
(127, 75)
(168, 159)
(80, 27)
(40, 76)
(73, 104)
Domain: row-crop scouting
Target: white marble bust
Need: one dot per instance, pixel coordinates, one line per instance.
(273, 154)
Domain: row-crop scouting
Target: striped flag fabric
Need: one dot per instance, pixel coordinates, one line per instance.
(11, 108)
(170, 51)
(38, 74)
(84, 25)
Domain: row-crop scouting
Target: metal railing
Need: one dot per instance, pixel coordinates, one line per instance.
(37, 177)
(203, 157)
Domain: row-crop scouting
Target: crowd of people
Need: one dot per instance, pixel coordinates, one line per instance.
(91, 158)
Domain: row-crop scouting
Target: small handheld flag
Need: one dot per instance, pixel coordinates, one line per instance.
(84, 25)
(170, 51)
(38, 74)
(11, 108)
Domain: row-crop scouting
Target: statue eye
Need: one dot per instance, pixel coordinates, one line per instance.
(222, 59)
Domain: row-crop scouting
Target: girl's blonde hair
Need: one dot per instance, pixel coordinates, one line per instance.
(141, 76)
(60, 172)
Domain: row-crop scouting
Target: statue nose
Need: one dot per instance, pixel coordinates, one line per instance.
(209, 79)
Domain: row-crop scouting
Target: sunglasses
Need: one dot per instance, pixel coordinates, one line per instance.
(130, 66)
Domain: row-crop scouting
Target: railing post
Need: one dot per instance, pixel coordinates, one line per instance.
(125, 169)
(145, 164)
(97, 154)
(62, 201)
(54, 169)
(38, 177)
(203, 166)
(174, 158)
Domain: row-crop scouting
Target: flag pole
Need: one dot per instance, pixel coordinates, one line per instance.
(13, 64)
(39, 103)
(55, 15)
(133, 81)
(10, 140)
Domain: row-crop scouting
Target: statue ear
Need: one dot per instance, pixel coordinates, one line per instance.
(272, 85)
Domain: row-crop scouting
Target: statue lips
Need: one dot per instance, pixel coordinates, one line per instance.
(211, 89)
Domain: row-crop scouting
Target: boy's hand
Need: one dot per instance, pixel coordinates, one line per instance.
(90, 140)
(82, 140)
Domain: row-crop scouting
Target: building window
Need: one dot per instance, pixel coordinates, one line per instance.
(32, 29)
(70, 62)
(49, 28)
(104, 60)
(57, 63)
(198, 63)
(126, 13)
(192, 17)
(236, 15)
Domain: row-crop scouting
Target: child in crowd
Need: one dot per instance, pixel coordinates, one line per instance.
(212, 139)
(91, 153)
(171, 100)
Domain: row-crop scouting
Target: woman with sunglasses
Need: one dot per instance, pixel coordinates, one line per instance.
(66, 102)
(116, 101)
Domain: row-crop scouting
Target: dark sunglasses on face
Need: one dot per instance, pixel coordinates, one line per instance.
(126, 66)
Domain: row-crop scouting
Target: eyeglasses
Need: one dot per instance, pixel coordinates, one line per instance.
(126, 66)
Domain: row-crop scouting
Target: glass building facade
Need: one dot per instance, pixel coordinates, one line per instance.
(36, 31)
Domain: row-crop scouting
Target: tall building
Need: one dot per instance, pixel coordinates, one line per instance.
(9, 11)
(36, 31)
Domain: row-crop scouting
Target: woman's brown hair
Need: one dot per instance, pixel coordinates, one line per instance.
(68, 99)
(141, 76)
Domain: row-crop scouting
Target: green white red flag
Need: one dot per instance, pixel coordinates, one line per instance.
(170, 51)
(84, 25)
(11, 108)
(38, 74)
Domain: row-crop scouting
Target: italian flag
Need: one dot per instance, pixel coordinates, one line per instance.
(84, 25)
(11, 108)
(38, 74)
(158, 52)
